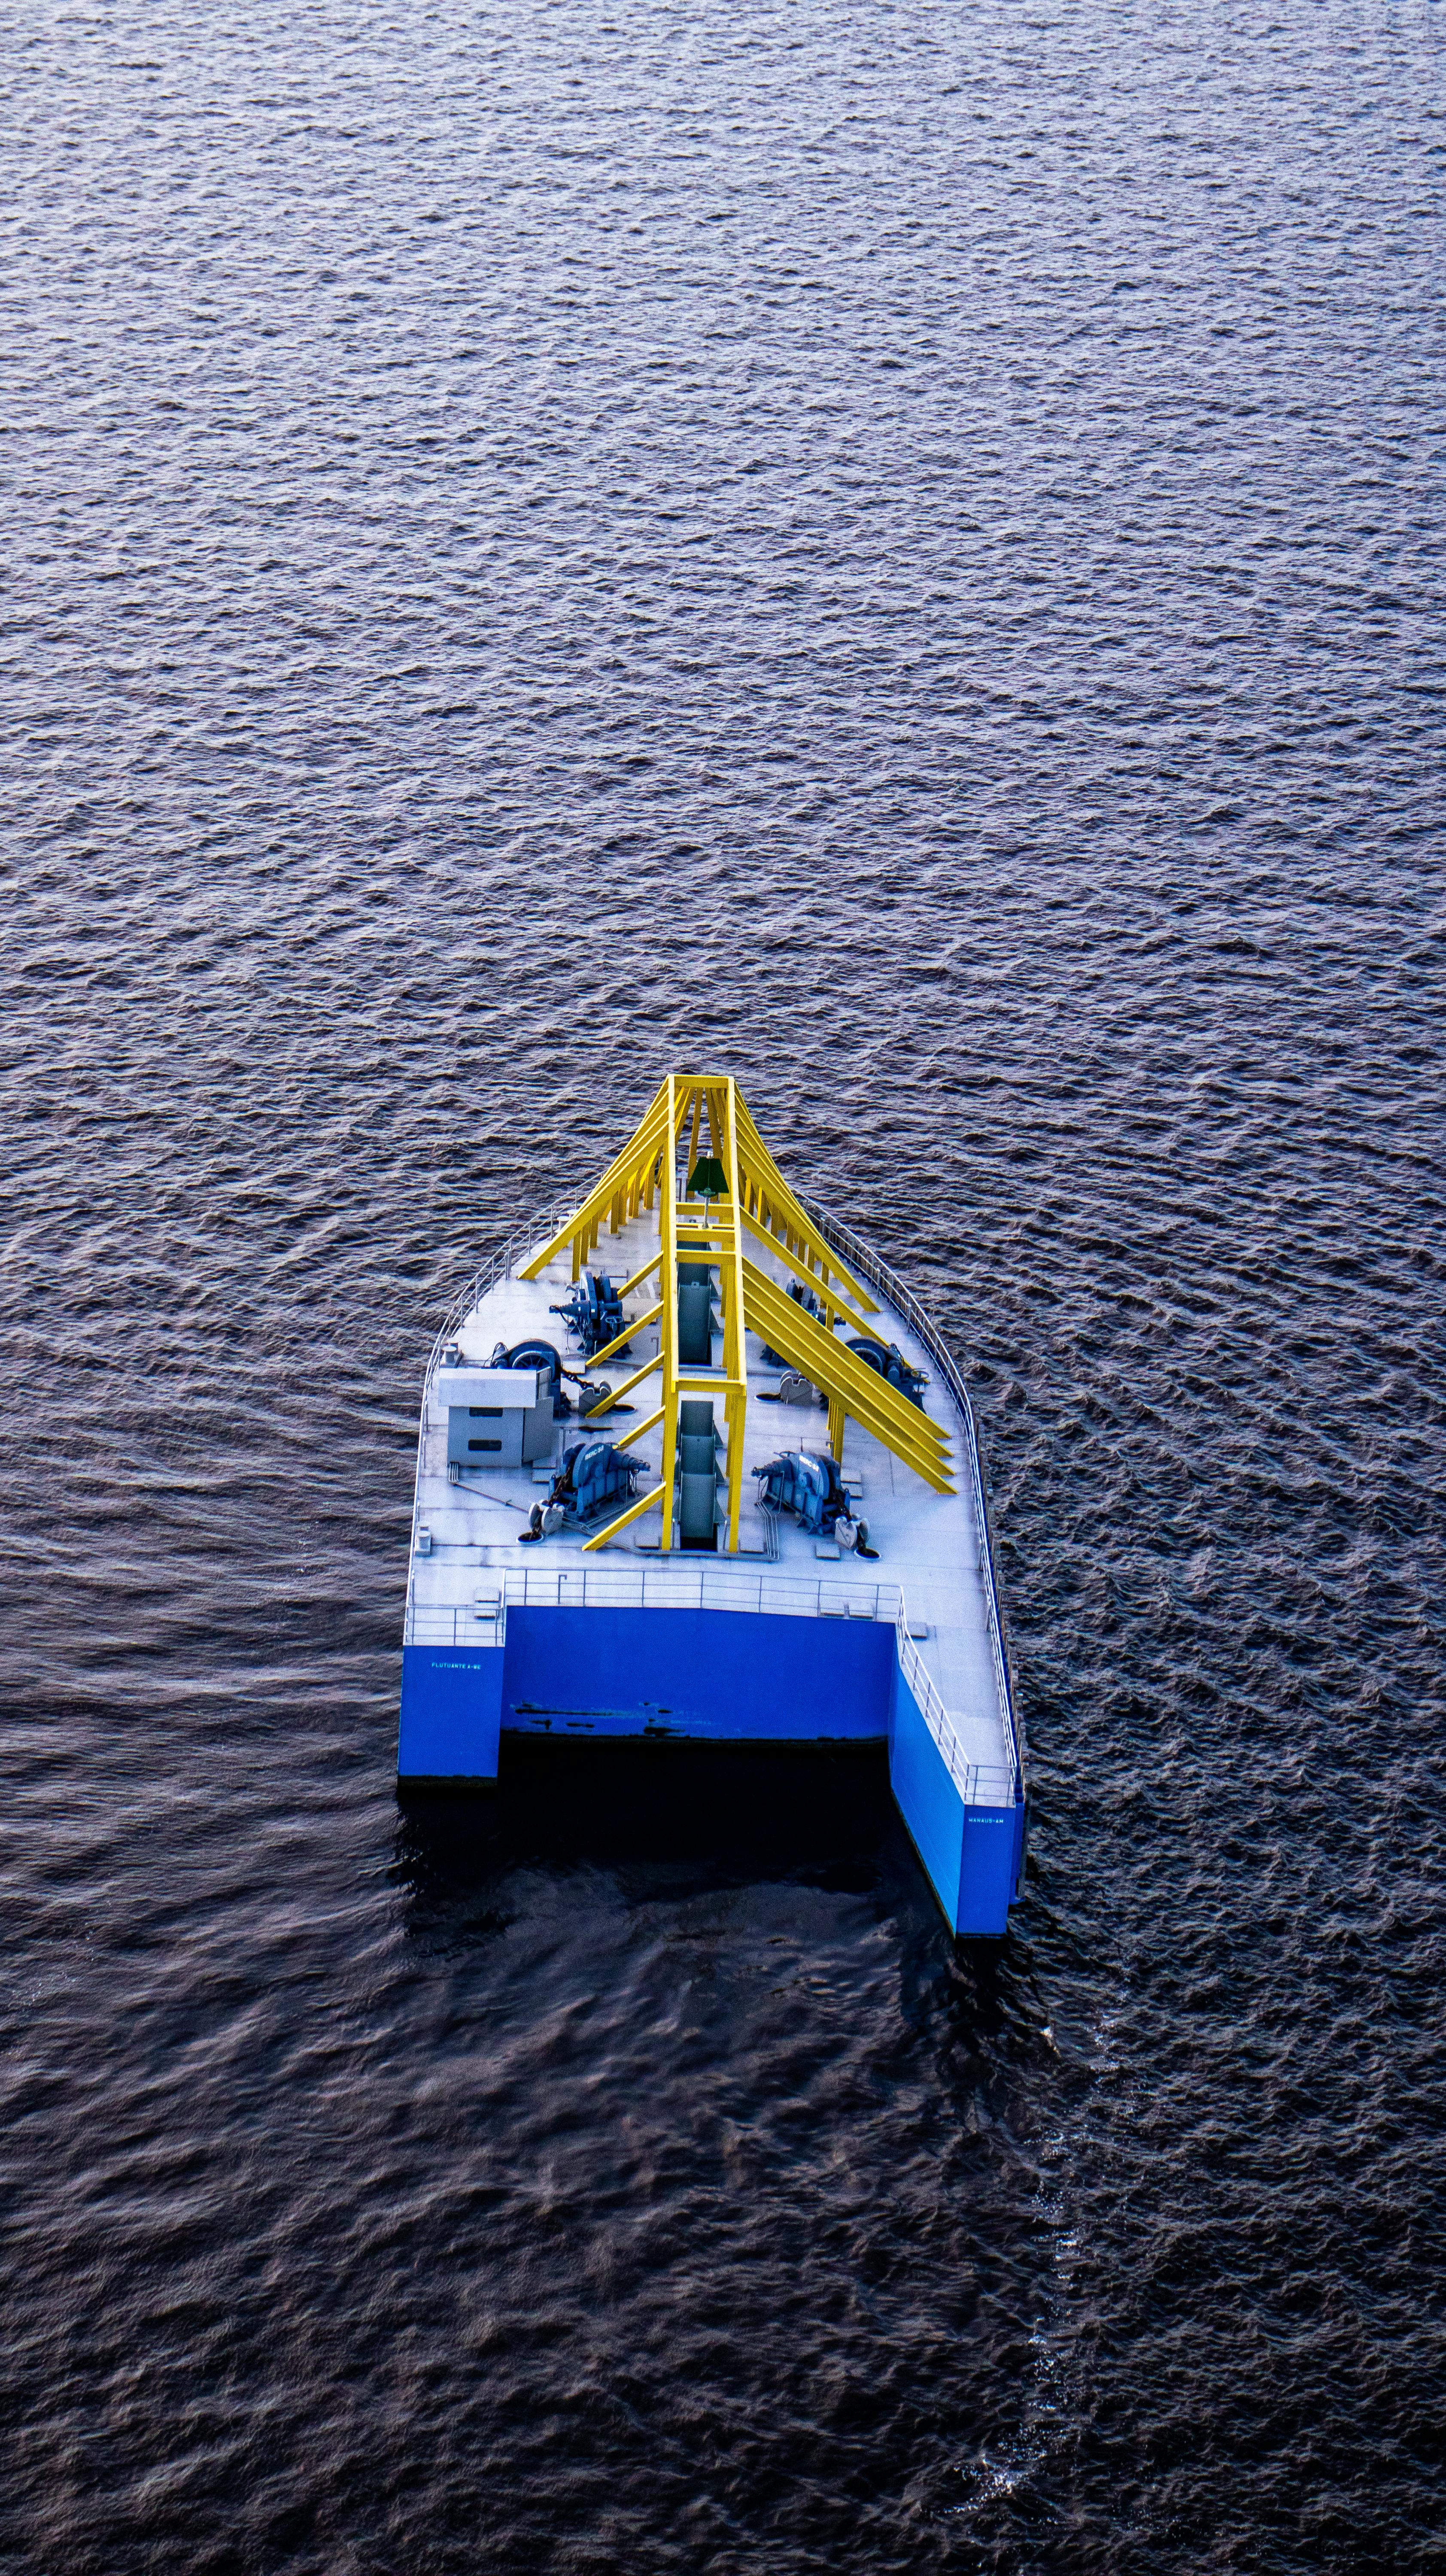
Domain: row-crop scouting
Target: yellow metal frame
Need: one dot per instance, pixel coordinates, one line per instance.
(849, 1382)
(760, 1202)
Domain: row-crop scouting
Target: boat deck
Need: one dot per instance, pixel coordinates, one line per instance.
(930, 1577)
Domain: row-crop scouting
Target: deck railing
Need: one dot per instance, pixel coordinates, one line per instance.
(980, 1784)
(878, 1274)
(498, 1265)
(648, 1587)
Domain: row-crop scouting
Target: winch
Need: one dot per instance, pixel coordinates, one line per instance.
(594, 1312)
(592, 1475)
(805, 1298)
(889, 1361)
(536, 1355)
(813, 1489)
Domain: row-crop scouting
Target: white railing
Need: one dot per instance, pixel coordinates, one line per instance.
(647, 1587)
(877, 1272)
(498, 1265)
(980, 1784)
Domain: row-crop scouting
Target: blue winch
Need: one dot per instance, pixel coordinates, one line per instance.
(593, 1475)
(594, 1312)
(536, 1355)
(813, 1489)
(890, 1363)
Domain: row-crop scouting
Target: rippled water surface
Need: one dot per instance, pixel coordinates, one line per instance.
(896, 551)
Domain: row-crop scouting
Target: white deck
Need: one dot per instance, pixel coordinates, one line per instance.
(930, 1552)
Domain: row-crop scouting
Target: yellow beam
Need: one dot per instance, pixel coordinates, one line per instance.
(626, 1388)
(831, 1304)
(634, 1153)
(735, 1352)
(929, 1458)
(634, 1512)
(639, 1276)
(786, 1224)
(830, 1362)
(640, 1430)
(762, 1170)
(668, 1322)
(642, 1144)
(902, 1426)
(927, 1463)
(626, 1335)
(581, 1230)
(711, 1236)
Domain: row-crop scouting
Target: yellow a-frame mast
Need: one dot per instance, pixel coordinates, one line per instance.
(711, 1230)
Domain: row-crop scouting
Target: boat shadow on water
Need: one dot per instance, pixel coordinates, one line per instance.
(674, 1823)
(673, 1818)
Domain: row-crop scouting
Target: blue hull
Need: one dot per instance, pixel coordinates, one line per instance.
(710, 1677)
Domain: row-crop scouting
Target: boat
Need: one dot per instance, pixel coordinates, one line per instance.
(765, 1524)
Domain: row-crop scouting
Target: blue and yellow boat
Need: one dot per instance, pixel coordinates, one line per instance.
(766, 1524)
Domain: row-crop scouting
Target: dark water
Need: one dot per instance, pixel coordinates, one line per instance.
(897, 552)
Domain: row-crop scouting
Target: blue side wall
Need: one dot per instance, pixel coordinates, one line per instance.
(926, 1797)
(726, 1677)
(993, 1858)
(451, 1712)
(973, 1855)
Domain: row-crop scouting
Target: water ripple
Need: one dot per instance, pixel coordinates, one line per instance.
(901, 554)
